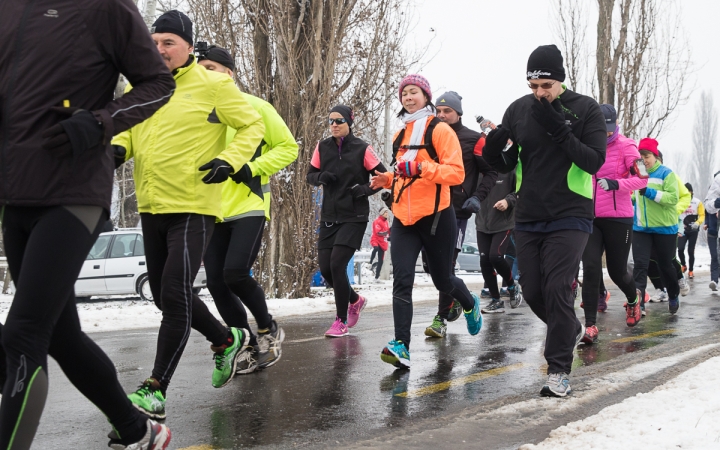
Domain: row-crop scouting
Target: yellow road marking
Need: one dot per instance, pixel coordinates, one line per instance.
(643, 336)
(459, 381)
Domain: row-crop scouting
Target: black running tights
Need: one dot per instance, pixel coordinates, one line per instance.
(381, 257)
(46, 248)
(492, 248)
(664, 246)
(333, 267)
(691, 239)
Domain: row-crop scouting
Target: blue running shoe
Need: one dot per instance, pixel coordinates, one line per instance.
(674, 305)
(485, 293)
(397, 354)
(474, 317)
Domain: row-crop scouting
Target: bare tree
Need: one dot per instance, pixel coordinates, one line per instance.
(642, 59)
(703, 159)
(303, 56)
(571, 27)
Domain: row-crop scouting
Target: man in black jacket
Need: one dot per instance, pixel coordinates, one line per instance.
(559, 141)
(58, 72)
(466, 197)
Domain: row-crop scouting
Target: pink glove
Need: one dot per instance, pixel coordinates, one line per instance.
(408, 169)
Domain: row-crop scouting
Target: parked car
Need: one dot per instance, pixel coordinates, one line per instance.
(116, 266)
(469, 258)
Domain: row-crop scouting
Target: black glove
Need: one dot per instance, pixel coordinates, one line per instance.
(642, 191)
(551, 117)
(80, 132)
(472, 204)
(608, 184)
(219, 171)
(119, 153)
(497, 139)
(327, 178)
(387, 198)
(244, 175)
(361, 190)
(717, 203)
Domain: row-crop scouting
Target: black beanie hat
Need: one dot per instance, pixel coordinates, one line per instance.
(220, 56)
(174, 22)
(689, 187)
(346, 112)
(546, 61)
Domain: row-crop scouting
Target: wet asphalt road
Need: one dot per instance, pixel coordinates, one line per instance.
(326, 392)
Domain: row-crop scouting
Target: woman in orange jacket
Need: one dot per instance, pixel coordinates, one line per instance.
(429, 161)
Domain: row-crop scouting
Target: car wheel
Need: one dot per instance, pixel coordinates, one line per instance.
(143, 288)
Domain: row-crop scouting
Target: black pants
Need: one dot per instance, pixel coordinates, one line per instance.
(664, 245)
(46, 247)
(333, 267)
(690, 238)
(714, 263)
(445, 301)
(440, 249)
(229, 258)
(492, 248)
(174, 248)
(381, 257)
(615, 240)
(548, 263)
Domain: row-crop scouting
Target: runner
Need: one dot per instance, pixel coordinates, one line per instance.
(236, 241)
(179, 202)
(429, 162)
(712, 205)
(57, 78)
(656, 225)
(466, 197)
(563, 139)
(379, 239)
(342, 165)
(612, 228)
(691, 218)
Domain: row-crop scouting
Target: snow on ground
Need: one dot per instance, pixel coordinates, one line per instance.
(682, 413)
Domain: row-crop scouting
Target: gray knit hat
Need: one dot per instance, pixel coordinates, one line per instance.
(451, 99)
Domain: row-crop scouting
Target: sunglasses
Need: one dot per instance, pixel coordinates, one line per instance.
(339, 121)
(544, 86)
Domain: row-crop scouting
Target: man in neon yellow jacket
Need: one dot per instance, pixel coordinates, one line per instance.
(178, 205)
(236, 241)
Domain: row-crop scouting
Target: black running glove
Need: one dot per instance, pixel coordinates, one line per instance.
(244, 175)
(326, 178)
(608, 184)
(219, 171)
(119, 153)
(551, 117)
(472, 204)
(496, 140)
(74, 135)
(642, 191)
(361, 190)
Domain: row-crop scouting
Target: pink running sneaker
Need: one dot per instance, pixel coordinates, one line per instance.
(338, 329)
(354, 310)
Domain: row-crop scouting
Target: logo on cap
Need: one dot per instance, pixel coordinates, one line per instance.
(51, 13)
(537, 74)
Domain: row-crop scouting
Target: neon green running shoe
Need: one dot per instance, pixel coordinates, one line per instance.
(149, 399)
(226, 357)
(437, 329)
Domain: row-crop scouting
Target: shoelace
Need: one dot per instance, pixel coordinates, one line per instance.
(219, 360)
(437, 323)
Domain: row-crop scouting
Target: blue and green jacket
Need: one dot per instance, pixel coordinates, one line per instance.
(656, 211)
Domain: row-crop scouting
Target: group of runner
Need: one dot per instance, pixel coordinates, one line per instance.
(556, 182)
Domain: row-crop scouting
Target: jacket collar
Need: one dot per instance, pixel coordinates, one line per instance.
(457, 126)
(188, 66)
(655, 167)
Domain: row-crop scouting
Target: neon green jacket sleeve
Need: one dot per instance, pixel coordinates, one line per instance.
(234, 111)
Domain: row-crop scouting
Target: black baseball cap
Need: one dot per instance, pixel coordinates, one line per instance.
(610, 116)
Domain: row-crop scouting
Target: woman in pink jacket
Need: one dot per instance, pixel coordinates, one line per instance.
(612, 227)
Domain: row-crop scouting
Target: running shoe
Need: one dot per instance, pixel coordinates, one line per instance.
(437, 329)
(591, 335)
(157, 437)
(713, 285)
(455, 311)
(149, 399)
(354, 310)
(397, 354)
(226, 357)
(495, 306)
(516, 297)
(602, 301)
(674, 305)
(485, 293)
(247, 360)
(337, 329)
(474, 317)
(659, 297)
(642, 310)
(557, 385)
(684, 286)
(580, 335)
(504, 292)
(270, 344)
(684, 269)
(691, 275)
(633, 313)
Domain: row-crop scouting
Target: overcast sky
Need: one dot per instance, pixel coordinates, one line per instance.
(481, 48)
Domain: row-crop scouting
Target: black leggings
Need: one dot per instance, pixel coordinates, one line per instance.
(615, 240)
(333, 267)
(654, 271)
(381, 257)
(690, 238)
(664, 246)
(492, 248)
(174, 247)
(440, 249)
(46, 248)
(229, 258)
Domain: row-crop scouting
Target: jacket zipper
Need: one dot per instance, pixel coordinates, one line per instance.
(614, 204)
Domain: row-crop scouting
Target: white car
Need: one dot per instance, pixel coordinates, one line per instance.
(116, 266)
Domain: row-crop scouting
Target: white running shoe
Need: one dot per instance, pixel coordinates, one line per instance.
(659, 297)
(713, 285)
(684, 286)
